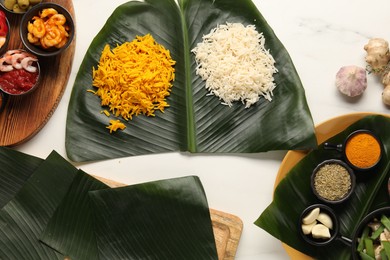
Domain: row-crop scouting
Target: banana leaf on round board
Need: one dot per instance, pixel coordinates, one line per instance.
(57, 211)
(194, 122)
(294, 194)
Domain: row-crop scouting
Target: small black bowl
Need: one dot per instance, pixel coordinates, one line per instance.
(339, 163)
(343, 147)
(352, 135)
(363, 223)
(16, 90)
(334, 232)
(20, 11)
(34, 11)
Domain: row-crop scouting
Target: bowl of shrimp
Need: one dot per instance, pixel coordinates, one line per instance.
(47, 29)
(19, 72)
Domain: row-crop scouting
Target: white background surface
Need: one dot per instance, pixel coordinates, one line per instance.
(320, 36)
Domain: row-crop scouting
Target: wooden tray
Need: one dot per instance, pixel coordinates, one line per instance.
(24, 116)
(227, 228)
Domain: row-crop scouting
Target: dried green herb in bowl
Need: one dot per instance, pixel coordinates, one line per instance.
(333, 181)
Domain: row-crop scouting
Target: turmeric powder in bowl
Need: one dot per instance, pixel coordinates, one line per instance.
(363, 150)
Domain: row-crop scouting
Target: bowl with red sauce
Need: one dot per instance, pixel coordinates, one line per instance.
(19, 72)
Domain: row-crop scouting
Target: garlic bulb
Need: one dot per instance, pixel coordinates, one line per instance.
(351, 80)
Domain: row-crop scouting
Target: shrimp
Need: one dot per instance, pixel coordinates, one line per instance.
(52, 37)
(9, 54)
(27, 64)
(47, 12)
(37, 28)
(5, 67)
(16, 60)
(57, 19)
(61, 43)
(32, 39)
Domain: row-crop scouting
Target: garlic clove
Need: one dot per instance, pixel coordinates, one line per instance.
(351, 80)
(320, 231)
(311, 216)
(325, 220)
(306, 229)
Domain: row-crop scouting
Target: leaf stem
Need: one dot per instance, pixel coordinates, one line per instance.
(191, 135)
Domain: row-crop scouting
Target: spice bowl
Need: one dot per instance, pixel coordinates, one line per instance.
(36, 39)
(19, 73)
(363, 150)
(333, 181)
(318, 225)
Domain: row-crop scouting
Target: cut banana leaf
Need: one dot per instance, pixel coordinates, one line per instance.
(57, 211)
(24, 217)
(166, 219)
(194, 122)
(71, 229)
(16, 168)
(293, 195)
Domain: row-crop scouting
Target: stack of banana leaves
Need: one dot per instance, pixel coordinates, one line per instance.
(51, 210)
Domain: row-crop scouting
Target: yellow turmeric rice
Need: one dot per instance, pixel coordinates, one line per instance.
(134, 78)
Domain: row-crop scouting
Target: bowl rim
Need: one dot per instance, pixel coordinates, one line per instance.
(27, 17)
(349, 170)
(376, 138)
(36, 83)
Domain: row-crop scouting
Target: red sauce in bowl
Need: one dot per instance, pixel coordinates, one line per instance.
(18, 81)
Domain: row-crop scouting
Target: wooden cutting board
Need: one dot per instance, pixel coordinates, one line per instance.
(227, 228)
(24, 116)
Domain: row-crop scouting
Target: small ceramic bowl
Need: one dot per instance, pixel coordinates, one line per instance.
(334, 231)
(376, 214)
(18, 10)
(363, 149)
(19, 72)
(46, 49)
(326, 182)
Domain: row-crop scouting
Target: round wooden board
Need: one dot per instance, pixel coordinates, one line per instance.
(24, 116)
(324, 131)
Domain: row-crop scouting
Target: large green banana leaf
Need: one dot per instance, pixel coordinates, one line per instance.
(194, 122)
(54, 210)
(293, 195)
(24, 217)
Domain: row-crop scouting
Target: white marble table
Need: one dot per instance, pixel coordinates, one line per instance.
(321, 36)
